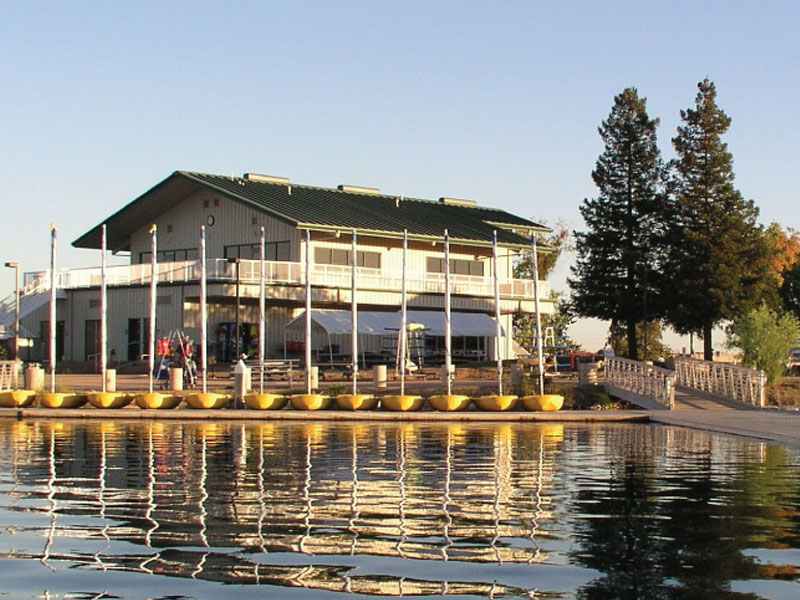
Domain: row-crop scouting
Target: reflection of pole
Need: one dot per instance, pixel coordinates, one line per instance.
(537, 549)
(103, 309)
(496, 503)
(203, 491)
(403, 319)
(101, 497)
(262, 303)
(307, 495)
(51, 499)
(261, 500)
(153, 283)
(354, 513)
(447, 332)
(401, 472)
(354, 314)
(53, 324)
(448, 520)
(203, 306)
(535, 275)
(151, 484)
(308, 312)
(498, 328)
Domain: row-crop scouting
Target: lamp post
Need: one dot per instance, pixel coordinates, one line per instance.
(15, 266)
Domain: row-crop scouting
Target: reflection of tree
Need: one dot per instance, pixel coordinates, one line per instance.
(677, 532)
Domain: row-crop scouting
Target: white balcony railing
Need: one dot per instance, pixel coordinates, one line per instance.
(289, 273)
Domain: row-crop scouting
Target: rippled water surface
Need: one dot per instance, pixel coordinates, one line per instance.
(188, 510)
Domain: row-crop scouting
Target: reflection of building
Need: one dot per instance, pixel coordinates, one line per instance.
(233, 211)
(183, 494)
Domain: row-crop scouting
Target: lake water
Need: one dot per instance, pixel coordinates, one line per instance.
(286, 510)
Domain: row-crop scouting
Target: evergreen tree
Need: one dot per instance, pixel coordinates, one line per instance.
(718, 257)
(618, 256)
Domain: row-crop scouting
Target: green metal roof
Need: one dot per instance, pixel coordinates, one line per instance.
(319, 208)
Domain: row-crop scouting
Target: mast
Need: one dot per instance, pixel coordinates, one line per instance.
(447, 330)
(535, 275)
(354, 313)
(53, 323)
(498, 328)
(403, 319)
(203, 307)
(308, 312)
(103, 309)
(262, 302)
(153, 286)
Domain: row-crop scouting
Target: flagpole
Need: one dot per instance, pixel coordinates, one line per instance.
(498, 328)
(103, 309)
(153, 286)
(53, 323)
(403, 319)
(262, 302)
(535, 275)
(354, 311)
(447, 330)
(203, 306)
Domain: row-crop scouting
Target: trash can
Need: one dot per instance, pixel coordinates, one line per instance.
(111, 380)
(241, 380)
(34, 378)
(379, 376)
(176, 379)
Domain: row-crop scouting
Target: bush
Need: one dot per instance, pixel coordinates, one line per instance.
(765, 339)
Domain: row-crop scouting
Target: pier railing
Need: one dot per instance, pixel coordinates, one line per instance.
(9, 374)
(723, 379)
(641, 381)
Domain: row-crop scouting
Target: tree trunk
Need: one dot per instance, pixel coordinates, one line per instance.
(708, 350)
(632, 345)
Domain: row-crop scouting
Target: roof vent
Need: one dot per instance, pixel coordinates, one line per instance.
(458, 201)
(259, 178)
(355, 189)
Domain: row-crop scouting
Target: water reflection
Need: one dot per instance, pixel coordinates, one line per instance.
(514, 511)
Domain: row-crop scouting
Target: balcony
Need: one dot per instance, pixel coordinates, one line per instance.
(288, 273)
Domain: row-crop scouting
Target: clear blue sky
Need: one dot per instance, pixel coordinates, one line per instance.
(493, 101)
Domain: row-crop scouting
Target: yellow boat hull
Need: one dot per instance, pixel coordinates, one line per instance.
(546, 403)
(157, 401)
(257, 401)
(449, 403)
(356, 401)
(495, 403)
(310, 401)
(208, 400)
(403, 403)
(62, 400)
(17, 398)
(109, 399)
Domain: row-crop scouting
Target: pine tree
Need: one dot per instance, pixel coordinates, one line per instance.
(718, 258)
(618, 256)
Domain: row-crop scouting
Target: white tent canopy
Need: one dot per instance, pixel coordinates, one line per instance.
(381, 323)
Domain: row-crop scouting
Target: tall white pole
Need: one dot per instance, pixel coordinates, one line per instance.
(308, 312)
(153, 285)
(498, 328)
(103, 309)
(354, 311)
(403, 319)
(262, 303)
(447, 331)
(535, 275)
(53, 323)
(203, 307)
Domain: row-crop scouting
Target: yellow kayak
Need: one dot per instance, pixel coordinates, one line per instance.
(157, 400)
(207, 400)
(310, 401)
(258, 401)
(402, 403)
(356, 401)
(17, 398)
(109, 399)
(546, 403)
(449, 403)
(62, 399)
(495, 403)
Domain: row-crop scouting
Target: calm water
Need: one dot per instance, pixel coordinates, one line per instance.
(174, 510)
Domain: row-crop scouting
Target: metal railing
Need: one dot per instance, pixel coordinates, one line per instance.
(9, 374)
(723, 379)
(642, 379)
(279, 272)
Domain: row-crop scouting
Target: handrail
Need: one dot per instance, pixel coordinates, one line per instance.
(279, 272)
(642, 379)
(9, 374)
(723, 379)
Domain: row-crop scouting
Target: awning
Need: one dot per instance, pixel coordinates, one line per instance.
(381, 323)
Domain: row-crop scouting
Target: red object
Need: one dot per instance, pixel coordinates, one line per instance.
(162, 348)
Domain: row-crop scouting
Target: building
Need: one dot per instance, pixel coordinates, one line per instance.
(233, 211)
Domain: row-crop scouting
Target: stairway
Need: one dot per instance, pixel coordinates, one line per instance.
(32, 296)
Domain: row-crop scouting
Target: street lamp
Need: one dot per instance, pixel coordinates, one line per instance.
(15, 266)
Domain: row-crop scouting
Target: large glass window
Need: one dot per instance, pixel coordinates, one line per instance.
(170, 255)
(272, 251)
(340, 256)
(458, 266)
